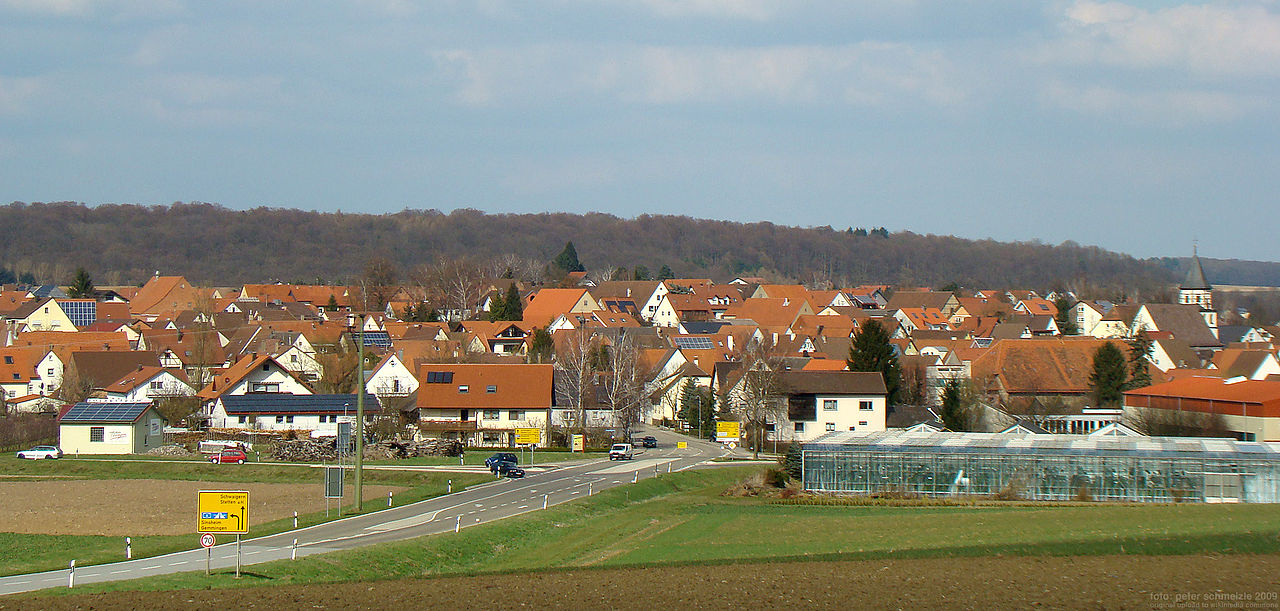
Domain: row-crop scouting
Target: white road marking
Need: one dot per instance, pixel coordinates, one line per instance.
(522, 507)
(118, 572)
(149, 568)
(176, 563)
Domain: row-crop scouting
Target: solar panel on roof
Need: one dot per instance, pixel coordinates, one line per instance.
(377, 339)
(81, 313)
(105, 412)
(693, 343)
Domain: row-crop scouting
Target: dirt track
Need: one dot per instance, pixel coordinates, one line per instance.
(145, 506)
(1109, 582)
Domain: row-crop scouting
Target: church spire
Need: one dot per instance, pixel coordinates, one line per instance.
(1195, 275)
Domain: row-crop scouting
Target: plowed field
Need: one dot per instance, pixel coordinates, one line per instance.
(1094, 582)
(143, 506)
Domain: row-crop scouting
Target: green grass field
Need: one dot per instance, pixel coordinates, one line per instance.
(31, 552)
(681, 518)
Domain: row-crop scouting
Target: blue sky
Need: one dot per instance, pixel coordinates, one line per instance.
(1137, 127)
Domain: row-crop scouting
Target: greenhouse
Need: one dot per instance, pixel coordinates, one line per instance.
(1044, 467)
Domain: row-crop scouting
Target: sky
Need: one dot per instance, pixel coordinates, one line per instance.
(1141, 127)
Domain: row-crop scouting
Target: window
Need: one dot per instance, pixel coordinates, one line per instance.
(852, 428)
(50, 371)
(266, 366)
(288, 419)
(831, 426)
(491, 389)
(799, 427)
(768, 427)
(16, 376)
(242, 419)
(865, 406)
(491, 414)
(829, 405)
(8, 360)
(157, 385)
(463, 389)
(264, 387)
(516, 414)
(862, 423)
(293, 358)
(97, 434)
(439, 377)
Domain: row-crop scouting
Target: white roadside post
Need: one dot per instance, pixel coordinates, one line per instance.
(450, 490)
(295, 519)
(458, 525)
(388, 499)
(544, 501)
(71, 575)
(128, 548)
(293, 555)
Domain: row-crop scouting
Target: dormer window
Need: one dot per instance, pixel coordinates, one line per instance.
(462, 388)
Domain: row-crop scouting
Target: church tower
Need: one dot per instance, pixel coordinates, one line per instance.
(1195, 290)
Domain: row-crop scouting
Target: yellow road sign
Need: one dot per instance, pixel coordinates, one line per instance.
(727, 431)
(533, 436)
(579, 443)
(680, 445)
(222, 511)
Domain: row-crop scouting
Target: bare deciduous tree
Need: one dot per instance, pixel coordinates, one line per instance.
(575, 363)
(625, 382)
(461, 283)
(757, 397)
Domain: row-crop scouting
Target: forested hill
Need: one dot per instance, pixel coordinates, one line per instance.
(213, 245)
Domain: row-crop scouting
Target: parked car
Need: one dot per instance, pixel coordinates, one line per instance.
(493, 461)
(229, 456)
(620, 451)
(40, 452)
(649, 441)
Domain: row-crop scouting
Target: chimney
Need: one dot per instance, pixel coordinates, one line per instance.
(730, 341)
(628, 291)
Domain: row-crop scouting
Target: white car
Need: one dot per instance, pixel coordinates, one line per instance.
(620, 451)
(39, 452)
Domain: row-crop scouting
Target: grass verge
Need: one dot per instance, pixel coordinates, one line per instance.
(681, 519)
(26, 553)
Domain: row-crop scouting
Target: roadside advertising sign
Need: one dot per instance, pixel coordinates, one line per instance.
(579, 443)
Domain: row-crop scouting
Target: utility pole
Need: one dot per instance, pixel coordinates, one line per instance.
(360, 412)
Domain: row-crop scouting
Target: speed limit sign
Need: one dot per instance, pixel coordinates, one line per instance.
(206, 540)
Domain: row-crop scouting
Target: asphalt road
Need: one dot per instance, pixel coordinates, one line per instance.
(476, 505)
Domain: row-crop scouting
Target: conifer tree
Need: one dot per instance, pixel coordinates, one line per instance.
(1109, 377)
(871, 351)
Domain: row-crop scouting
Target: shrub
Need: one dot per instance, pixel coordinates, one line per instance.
(776, 478)
(1012, 491)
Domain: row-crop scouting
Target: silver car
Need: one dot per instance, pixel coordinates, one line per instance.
(40, 452)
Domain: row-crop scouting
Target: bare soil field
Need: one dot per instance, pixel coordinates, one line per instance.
(1092, 582)
(143, 506)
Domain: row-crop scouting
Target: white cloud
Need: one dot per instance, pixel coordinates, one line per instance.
(64, 8)
(88, 8)
(204, 99)
(754, 10)
(16, 93)
(861, 74)
(1209, 39)
(1175, 106)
